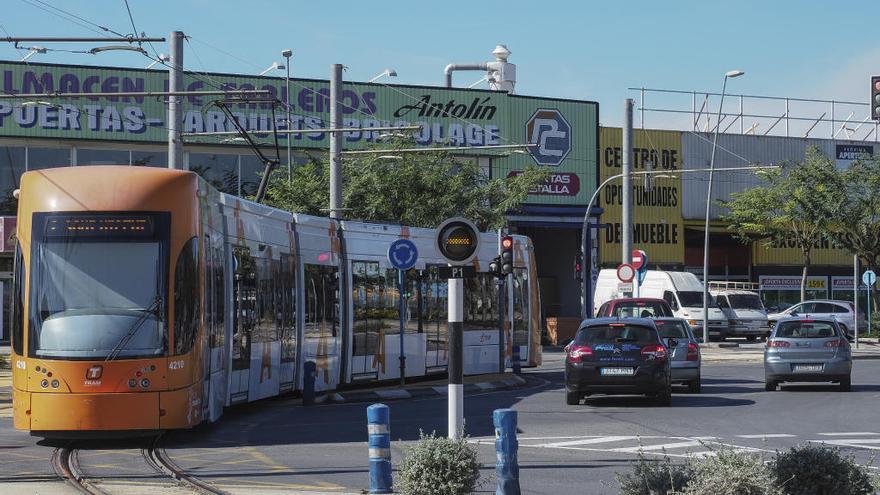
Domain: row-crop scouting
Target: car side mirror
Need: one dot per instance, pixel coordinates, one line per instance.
(567, 346)
(794, 313)
(671, 343)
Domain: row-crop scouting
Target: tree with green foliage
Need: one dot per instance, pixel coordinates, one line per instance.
(855, 220)
(416, 189)
(791, 205)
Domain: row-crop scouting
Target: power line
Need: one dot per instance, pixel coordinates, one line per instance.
(79, 18)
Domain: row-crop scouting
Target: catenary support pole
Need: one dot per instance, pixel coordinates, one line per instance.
(455, 396)
(335, 141)
(379, 444)
(175, 117)
(626, 229)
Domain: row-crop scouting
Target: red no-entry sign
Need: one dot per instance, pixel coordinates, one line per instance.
(639, 259)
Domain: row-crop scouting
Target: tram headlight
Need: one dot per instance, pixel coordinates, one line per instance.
(55, 383)
(132, 383)
(44, 383)
(145, 382)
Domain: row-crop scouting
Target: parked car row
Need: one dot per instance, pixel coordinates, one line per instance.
(734, 308)
(635, 346)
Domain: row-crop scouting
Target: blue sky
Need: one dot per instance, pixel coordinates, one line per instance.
(582, 50)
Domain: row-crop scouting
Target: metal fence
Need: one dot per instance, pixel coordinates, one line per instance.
(757, 115)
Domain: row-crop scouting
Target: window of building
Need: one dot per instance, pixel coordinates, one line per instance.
(12, 164)
(40, 158)
(102, 157)
(149, 158)
(251, 172)
(221, 171)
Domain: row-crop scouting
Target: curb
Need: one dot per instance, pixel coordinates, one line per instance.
(510, 382)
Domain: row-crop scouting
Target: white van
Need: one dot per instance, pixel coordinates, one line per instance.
(683, 291)
(746, 315)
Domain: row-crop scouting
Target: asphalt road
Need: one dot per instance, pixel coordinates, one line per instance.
(275, 445)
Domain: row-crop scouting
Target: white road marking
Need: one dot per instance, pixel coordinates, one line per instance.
(769, 435)
(662, 446)
(586, 441)
(849, 434)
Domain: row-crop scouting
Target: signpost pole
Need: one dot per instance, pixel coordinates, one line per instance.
(401, 281)
(626, 231)
(869, 308)
(856, 295)
(455, 412)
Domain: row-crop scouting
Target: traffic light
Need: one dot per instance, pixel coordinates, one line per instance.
(495, 266)
(506, 255)
(875, 97)
(579, 266)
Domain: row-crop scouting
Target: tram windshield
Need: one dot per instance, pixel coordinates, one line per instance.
(98, 286)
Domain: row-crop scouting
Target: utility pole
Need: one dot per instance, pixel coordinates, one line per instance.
(335, 141)
(287, 53)
(626, 229)
(175, 83)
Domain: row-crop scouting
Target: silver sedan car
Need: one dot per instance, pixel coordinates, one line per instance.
(807, 350)
(685, 362)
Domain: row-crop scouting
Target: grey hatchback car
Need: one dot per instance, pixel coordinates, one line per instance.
(807, 350)
(685, 362)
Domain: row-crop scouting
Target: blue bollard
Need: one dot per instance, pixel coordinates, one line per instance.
(309, 372)
(379, 431)
(506, 445)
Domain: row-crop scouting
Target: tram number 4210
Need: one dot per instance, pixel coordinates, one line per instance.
(175, 365)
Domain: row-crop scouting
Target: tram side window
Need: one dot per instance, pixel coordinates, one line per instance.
(481, 302)
(434, 292)
(322, 302)
(219, 296)
(244, 297)
(288, 298)
(520, 306)
(18, 305)
(186, 297)
(266, 307)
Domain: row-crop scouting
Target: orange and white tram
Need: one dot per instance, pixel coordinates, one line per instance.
(146, 300)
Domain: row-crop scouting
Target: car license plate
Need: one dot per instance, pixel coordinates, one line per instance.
(808, 368)
(617, 371)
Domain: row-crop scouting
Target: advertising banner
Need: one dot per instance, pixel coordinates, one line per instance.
(793, 282)
(825, 252)
(564, 132)
(657, 223)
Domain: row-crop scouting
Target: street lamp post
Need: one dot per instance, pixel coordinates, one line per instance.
(386, 72)
(730, 74)
(287, 53)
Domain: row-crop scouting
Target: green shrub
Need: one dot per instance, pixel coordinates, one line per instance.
(655, 477)
(732, 473)
(438, 466)
(817, 470)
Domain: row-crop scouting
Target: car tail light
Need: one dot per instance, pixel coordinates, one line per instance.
(576, 352)
(778, 343)
(657, 352)
(693, 352)
(836, 343)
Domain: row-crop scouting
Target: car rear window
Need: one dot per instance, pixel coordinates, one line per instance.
(671, 329)
(610, 334)
(640, 309)
(805, 330)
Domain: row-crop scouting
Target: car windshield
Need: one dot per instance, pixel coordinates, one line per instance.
(694, 299)
(805, 330)
(640, 309)
(745, 301)
(94, 294)
(616, 333)
(671, 329)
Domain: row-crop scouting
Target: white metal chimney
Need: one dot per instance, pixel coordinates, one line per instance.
(501, 74)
